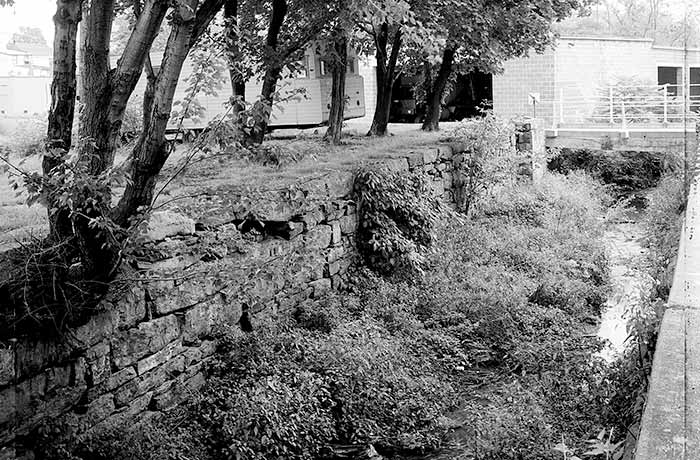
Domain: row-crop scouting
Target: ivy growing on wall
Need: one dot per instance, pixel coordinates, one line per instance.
(397, 212)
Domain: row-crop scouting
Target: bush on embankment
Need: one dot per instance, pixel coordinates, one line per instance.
(627, 171)
(490, 339)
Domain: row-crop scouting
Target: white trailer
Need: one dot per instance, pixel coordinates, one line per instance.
(26, 97)
(306, 97)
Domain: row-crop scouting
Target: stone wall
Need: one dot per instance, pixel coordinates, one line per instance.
(148, 343)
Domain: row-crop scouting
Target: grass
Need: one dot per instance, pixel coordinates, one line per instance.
(216, 183)
(18, 222)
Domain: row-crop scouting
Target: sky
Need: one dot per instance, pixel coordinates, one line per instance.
(39, 13)
(29, 13)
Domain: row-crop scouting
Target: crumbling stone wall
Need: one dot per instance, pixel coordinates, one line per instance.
(147, 345)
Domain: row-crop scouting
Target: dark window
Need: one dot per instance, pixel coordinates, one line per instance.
(669, 76)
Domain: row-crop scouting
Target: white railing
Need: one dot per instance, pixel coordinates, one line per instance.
(622, 106)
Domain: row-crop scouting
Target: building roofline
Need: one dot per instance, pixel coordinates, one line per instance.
(607, 39)
(625, 39)
(675, 48)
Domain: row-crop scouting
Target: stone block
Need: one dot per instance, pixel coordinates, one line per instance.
(311, 219)
(444, 152)
(414, 160)
(160, 357)
(58, 377)
(131, 309)
(7, 366)
(348, 224)
(332, 210)
(112, 383)
(320, 286)
(99, 327)
(430, 156)
(335, 253)
(98, 362)
(333, 268)
(143, 340)
(396, 164)
(319, 237)
(99, 409)
(336, 233)
(198, 322)
(152, 379)
(163, 224)
(201, 319)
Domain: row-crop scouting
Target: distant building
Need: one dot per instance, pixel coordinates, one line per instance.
(25, 60)
(580, 69)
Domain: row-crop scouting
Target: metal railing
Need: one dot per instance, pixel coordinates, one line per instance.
(623, 106)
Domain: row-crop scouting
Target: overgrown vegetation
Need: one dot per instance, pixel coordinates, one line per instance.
(489, 159)
(398, 215)
(486, 350)
(626, 171)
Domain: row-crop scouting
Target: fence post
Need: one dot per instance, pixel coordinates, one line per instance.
(612, 114)
(666, 104)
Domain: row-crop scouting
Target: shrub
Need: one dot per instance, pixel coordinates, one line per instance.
(488, 159)
(663, 223)
(628, 171)
(459, 354)
(397, 213)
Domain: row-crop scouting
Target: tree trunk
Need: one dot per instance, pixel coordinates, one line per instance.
(231, 21)
(63, 91)
(434, 96)
(63, 85)
(106, 92)
(339, 72)
(95, 78)
(129, 70)
(386, 76)
(151, 152)
(273, 66)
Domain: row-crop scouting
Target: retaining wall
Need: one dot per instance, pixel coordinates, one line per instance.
(147, 345)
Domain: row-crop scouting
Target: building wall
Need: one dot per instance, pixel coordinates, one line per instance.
(521, 77)
(24, 96)
(579, 71)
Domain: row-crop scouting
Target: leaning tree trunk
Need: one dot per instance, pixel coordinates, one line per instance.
(434, 96)
(62, 111)
(339, 72)
(151, 152)
(386, 76)
(273, 65)
(106, 92)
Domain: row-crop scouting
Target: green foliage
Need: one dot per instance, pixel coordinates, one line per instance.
(663, 222)
(460, 356)
(627, 171)
(488, 159)
(397, 213)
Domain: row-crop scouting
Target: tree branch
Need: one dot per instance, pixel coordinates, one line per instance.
(205, 14)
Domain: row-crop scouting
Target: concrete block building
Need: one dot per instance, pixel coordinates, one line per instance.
(576, 73)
